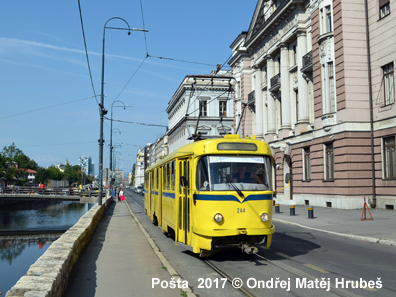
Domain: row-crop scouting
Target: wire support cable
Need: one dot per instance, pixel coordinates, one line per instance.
(86, 51)
(133, 75)
(136, 123)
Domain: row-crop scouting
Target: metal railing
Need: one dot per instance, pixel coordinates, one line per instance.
(276, 81)
(49, 191)
(307, 61)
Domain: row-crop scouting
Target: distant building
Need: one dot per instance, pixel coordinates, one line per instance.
(140, 167)
(86, 165)
(201, 105)
(61, 167)
(31, 175)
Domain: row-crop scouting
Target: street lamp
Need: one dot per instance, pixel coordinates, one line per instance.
(111, 129)
(102, 110)
(111, 139)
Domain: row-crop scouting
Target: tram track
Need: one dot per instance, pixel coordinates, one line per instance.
(284, 267)
(301, 274)
(242, 289)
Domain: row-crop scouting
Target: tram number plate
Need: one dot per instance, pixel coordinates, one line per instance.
(240, 210)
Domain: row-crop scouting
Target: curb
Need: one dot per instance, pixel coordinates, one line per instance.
(356, 237)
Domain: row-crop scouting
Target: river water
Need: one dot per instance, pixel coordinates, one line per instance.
(27, 229)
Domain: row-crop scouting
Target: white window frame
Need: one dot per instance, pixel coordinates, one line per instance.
(222, 108)
(306, 164)
(203, 108)
(389, 157)
(389, 83)
(328, 88)
(329, 170)
(326, 17)
(384, 9)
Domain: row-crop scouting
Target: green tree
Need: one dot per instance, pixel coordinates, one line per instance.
(12, 163)
(54, 173)
(41, 176)
(11, 152)
(25, 162)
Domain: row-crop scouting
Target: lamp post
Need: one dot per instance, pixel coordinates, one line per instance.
(102, 110)
(111, 139)
(112, 147)
(111, 129)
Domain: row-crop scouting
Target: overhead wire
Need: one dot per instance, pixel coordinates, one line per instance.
(178, 60)
(42, 108)
(133, 75)
(86, 51)
(137, 123)
(144, 26)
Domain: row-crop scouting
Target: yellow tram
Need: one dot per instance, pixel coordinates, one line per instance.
(213, 193)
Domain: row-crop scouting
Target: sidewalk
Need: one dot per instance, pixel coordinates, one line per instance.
(120, 261)
(345, 222)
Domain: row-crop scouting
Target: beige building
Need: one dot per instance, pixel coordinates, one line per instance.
(317, 83)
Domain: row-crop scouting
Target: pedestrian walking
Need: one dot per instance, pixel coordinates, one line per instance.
(122, 197)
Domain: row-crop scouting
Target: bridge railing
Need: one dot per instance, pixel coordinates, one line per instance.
(50, 191)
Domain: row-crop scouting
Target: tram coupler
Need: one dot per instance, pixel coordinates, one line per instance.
(246, 248)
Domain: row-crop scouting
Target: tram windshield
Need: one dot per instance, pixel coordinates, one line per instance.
(229, 173)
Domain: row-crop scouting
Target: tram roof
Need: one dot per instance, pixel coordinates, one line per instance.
(209, 146)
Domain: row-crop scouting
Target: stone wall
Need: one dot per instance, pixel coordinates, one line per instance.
(48, 276)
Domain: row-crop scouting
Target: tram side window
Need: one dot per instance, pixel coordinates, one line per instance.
(173, 175)
(164, 177)
(146, 177)
(168, 176)
(180, 174)
(202, 175)
(156, 179)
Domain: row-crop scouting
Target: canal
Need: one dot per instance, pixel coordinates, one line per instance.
(27, 229)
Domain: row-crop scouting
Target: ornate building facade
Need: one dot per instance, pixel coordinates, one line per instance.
(317, 79)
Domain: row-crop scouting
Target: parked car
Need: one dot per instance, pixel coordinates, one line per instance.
(139, 189)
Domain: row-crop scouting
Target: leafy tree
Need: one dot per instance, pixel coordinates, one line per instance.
(41, 176)
(25, 162)
(54, 173)
(10, 152)
(13, 158)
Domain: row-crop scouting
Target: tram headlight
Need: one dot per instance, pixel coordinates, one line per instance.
(264, 217)
(218, 217)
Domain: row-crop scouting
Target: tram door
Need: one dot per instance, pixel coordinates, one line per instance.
(183, 201)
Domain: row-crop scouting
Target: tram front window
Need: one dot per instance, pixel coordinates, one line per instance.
(224, 173)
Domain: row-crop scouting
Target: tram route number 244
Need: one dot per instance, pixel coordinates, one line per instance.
(240, 210)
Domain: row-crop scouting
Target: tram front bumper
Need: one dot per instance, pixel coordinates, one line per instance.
(234, 232)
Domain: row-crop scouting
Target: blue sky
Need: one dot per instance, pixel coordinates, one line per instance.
(48, 108)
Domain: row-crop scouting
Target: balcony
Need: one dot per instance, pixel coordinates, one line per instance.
(252, 101)
(275, 83)
(307, 62)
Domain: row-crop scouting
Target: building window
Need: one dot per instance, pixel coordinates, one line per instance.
(296, 96)
(307, 163)
(389, 157)
(329, 100)
(203, 108)
(222, 108)
(329, 161)
(327, 19)
(331, 91)
(384, 8)
(389, 84)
